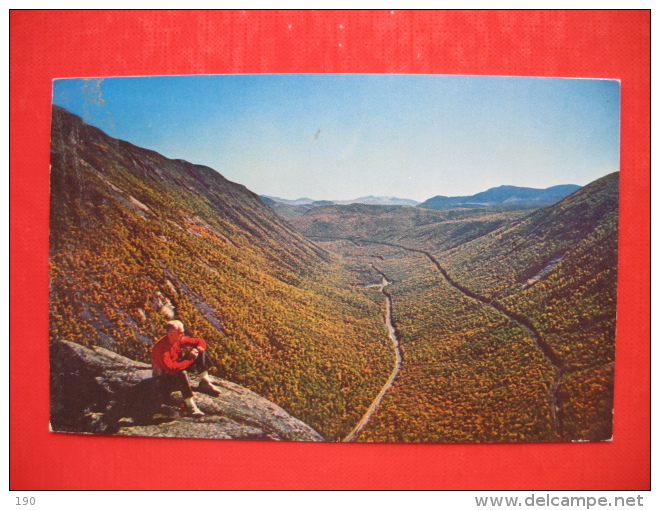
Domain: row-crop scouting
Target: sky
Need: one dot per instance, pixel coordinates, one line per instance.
(344, 136)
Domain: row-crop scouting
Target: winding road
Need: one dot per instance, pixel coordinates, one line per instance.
(397, 366)
(547, 350)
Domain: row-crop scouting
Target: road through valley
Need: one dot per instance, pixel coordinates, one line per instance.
(397, 365)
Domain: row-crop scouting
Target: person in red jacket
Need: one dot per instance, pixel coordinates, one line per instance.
(172, 356)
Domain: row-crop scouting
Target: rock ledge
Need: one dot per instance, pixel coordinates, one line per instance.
(86, 382)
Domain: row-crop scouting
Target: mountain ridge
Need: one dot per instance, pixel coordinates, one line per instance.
(369, 200)
(504, 195)
(137, 239)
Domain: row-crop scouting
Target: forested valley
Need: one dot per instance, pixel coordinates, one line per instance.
(505, 316)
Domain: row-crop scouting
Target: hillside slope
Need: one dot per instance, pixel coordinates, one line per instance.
(137, 239)
(378, 222)
(414, 226)
(558, 268)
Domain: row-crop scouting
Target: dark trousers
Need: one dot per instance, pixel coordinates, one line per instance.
(180, 381)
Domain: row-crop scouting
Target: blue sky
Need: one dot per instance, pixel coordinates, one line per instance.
(326, 136)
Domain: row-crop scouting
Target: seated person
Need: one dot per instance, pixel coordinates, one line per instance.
(172, 356)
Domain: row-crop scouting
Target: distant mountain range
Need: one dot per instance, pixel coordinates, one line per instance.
(508, 196)
(370, 200)
(300, 201)
(504, 196)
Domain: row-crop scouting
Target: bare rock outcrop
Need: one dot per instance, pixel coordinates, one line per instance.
(88, 383)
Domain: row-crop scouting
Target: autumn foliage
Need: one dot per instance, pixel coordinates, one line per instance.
(506, 318)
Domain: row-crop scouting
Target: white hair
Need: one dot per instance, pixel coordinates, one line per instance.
(178, 325)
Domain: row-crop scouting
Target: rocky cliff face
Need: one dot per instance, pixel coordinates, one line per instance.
(87, 384)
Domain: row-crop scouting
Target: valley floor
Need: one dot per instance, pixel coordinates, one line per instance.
(397, 364)
(470, 369)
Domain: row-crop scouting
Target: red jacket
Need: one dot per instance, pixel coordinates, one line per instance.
(167, 358)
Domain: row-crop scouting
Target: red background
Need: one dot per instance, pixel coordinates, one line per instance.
(58, 44)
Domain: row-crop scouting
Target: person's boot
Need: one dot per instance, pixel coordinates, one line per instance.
(193, 410)
(205, 386)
